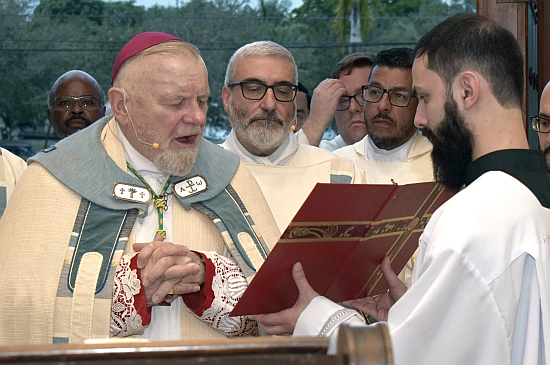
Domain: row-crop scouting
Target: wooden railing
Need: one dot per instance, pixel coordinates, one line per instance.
(369, 345)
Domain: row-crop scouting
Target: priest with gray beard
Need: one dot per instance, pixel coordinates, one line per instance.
(259, 96)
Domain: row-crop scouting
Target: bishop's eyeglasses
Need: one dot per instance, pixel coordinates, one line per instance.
(540, 123)
(397, 97)
(254, 90)
(68, 102)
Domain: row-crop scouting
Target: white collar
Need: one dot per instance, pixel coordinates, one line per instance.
(139, 162)
(281, 157)
(398, 154)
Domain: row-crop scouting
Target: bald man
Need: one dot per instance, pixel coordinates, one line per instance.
(75, 101)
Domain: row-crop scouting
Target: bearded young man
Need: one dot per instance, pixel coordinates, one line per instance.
(259, 97)
(113, 223)
(480, 291)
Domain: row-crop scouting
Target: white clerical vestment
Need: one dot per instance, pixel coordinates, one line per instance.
(480, 288)
(327, 144)
(165, 320)
(11, 169)
(406, 164)
(287, 181)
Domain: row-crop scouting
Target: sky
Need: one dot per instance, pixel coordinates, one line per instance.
(148, 3)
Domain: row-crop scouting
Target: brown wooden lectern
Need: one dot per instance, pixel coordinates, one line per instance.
(367, 345)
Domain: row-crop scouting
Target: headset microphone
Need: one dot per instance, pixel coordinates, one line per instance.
(154, 145)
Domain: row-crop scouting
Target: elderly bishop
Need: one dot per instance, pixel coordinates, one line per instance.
(120, 229)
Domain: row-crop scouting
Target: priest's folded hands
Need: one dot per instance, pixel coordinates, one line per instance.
(168, 269)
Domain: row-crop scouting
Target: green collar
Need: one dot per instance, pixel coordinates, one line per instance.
(82, 164)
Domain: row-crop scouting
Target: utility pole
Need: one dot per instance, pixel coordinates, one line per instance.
(355, 28)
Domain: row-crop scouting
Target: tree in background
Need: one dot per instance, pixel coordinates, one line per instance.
(44, 39)
(343, 11)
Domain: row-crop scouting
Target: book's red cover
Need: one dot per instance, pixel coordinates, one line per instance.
(341, 234)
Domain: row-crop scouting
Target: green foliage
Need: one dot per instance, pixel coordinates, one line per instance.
(40, 41)
(315, 8)
(397, 7)
(17, 79)
(343, 11)
(92, 9)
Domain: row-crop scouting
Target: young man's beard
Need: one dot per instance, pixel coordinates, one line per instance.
(453, 146)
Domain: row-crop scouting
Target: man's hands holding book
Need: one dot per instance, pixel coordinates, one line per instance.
(283, 322)
(378, 306)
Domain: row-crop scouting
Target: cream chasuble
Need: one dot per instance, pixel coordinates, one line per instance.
(35, 255)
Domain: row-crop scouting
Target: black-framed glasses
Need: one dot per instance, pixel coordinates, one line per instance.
(397, 97)
(345, 101)
(540, 123)
(85, 102)
(254, 90)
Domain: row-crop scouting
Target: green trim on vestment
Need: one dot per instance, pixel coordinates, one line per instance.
(81, 163)
(340, 179)
(3, 189)
(229, 214)
(3, 199)
(100, 233)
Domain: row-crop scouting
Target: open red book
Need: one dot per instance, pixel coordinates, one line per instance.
(341, 234)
